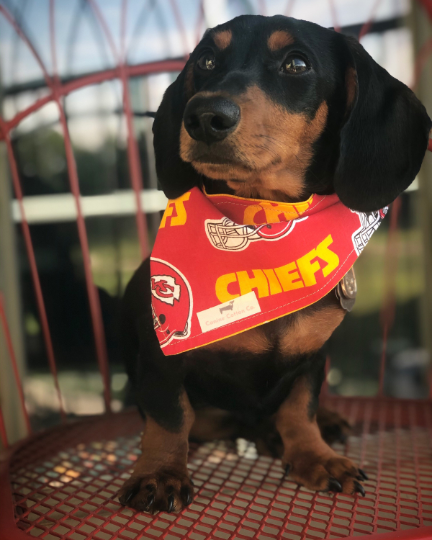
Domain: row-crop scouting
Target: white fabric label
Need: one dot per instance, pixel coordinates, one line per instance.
(231, 311)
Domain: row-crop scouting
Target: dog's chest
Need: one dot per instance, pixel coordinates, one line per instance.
(296, 334)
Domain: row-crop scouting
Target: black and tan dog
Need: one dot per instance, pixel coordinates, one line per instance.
(270, 108)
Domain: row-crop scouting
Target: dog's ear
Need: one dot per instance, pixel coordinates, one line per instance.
(385, 137)
(174, 175)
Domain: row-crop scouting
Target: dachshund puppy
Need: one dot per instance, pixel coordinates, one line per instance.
(269, 108)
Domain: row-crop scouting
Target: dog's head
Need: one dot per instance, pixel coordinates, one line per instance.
(279, 108)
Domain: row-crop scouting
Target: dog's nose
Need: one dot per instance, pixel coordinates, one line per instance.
(211, 119)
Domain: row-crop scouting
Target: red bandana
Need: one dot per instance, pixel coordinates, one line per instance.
(222, 264)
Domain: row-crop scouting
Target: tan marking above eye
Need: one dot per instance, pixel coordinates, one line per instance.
(279, 39)
(222, 39)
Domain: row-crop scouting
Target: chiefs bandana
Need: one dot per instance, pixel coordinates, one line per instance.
(223, 264)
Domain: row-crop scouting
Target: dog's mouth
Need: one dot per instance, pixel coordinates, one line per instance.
(226, 152)
(227, 160)
(213, 166)
(232, 170)
(210, 159)
(220, 161)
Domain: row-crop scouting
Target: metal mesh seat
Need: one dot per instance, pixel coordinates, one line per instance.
(62, 484)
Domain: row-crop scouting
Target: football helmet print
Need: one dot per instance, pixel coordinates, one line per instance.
(226, 235)
(369, 223)
(171, 302)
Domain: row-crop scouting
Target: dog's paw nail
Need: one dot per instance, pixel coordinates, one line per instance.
(334, 485)
(287, 469)
(363, 474)
(186, 495)
(359, 488)
(150, 502)
(170, 503)
(128, 497)
(125, 499)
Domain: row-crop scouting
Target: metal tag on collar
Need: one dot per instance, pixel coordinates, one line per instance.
(346, 290)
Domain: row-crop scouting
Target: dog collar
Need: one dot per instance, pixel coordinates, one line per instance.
(223, 264)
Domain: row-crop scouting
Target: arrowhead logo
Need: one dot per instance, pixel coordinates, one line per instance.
(165, 289)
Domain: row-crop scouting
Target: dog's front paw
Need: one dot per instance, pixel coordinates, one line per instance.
(325, 472)
(166, 490)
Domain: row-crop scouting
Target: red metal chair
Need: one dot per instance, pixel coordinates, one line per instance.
(62, 483)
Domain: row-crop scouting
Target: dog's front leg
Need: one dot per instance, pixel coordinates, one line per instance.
(160, 479)
(307, 458)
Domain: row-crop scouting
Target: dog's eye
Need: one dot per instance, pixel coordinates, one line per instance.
(294, 65)
(207, 61)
